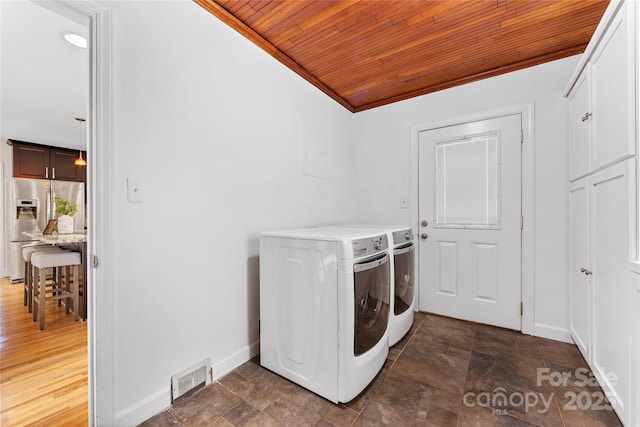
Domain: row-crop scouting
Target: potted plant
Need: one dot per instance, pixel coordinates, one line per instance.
(66, 212)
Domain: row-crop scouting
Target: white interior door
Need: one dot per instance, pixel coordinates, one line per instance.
(470, 221)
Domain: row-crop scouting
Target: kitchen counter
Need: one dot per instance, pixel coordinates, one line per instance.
(58, 239)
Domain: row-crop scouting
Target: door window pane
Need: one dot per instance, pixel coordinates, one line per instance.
(467, 176)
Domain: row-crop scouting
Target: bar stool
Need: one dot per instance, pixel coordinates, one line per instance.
(27, 251)
(40, 261)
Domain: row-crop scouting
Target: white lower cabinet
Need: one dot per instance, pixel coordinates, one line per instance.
(635, 342)
(580, 275)
(602, 209)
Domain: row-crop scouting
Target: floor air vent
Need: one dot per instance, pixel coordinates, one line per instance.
(189, 379)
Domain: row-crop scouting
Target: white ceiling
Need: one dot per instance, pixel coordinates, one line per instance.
(43, 79)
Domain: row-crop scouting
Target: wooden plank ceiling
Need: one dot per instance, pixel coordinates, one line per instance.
(368, 53)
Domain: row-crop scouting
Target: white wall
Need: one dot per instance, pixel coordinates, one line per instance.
(209, 126)
(383, 159)
(44, 80)
(4, 223)
(6, 157)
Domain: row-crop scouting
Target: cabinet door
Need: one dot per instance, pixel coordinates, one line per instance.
(580, 283)
(580, 127)
(30, 161)
(635, 342)
(63, 167)
(610, 216)
(613, 93)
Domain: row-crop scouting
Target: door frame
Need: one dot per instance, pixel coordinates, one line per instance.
(100, 182)
(527, 194)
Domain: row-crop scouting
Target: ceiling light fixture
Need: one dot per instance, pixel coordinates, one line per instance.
(76, 40)
(80, 161)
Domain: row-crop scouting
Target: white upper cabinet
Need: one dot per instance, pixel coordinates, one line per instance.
(602, 96)
(613, 93)
(580, 127)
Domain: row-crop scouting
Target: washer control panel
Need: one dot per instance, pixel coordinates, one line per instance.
(402, 236)
(368, 246)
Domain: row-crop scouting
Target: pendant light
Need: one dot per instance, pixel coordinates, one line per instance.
(80, 161)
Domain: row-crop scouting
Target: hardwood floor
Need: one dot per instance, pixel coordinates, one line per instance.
(43, 374)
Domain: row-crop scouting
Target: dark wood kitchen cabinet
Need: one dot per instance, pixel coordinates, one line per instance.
(63, 167)
(46, 162)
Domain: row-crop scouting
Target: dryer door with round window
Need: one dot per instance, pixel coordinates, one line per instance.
(403, 260)
(371, 288)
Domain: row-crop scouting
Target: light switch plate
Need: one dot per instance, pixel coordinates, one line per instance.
(404, 203)
(134, 191)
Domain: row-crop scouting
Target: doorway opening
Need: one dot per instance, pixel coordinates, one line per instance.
(99, 199)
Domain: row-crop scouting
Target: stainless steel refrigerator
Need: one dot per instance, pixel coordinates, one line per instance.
(32, 206)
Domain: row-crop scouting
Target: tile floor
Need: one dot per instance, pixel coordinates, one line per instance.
(444, 372)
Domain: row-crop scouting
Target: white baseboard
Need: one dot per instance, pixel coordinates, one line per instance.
(228, 364)
(161, 399)
(553, 333)
(144, 409)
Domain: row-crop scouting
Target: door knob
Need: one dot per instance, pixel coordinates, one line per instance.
(585, 271)
(424, 223)
(424, 236)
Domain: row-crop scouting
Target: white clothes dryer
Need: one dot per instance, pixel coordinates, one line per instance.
(402, 253)
(324, 308)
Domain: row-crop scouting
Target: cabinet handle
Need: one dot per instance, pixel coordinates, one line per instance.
(53, 173)
(585, 271)
(586, 117)
(46, 172)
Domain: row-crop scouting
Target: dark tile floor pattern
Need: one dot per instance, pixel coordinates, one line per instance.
(444, 372)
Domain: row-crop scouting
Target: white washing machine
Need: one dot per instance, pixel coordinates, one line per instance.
(402, 252)
(324, 308)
